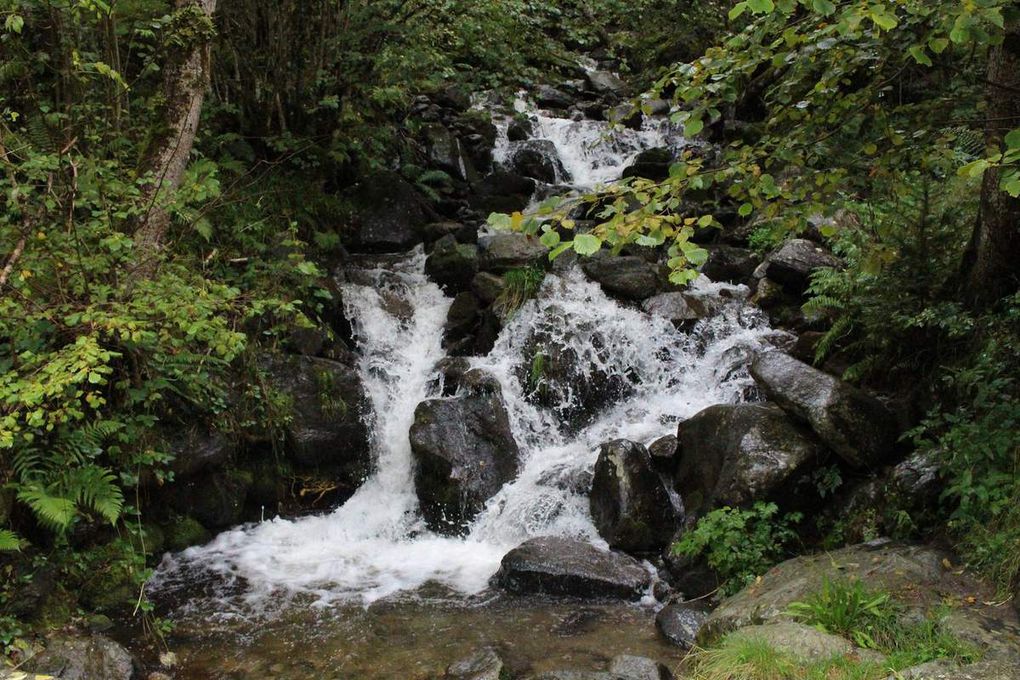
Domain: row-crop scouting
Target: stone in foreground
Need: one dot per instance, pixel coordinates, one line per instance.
(566, 566)
(629, 667)
(483, 664)
(679, 623)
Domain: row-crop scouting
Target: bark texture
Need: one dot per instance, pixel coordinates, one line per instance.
(185, 81)
(991, 268)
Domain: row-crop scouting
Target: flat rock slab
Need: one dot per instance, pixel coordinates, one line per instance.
(638, 668)
(566, 566)
(917, 577)
(804, 642)
(93, 657)
(945, 670)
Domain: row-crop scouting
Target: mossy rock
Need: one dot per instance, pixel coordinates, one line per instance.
(184, 532)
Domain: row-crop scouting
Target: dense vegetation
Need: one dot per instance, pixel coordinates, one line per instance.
(173, 177)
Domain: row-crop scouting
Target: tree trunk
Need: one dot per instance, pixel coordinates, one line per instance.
(185, 81)
(992, 262)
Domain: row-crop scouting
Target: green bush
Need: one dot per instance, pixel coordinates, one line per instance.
(740, 544)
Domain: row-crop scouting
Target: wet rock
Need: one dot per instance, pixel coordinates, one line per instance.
(462, 322)
(450, 372)
(627, 667)
(567, 566)
(483, 664)
(629, 277)
(803, 642)
(663, 452)
(215, 499)
(630, 505)
(434, 231)
(538, 159)
(502, 191)
(92, 657)
(919, 577)
(328, 411)
(196, 449)
(680, 308)
(548, 97)
(574, 675)
(679, 623)
(385, 214)
(487, 287)
(735, 454)
(651, 164)
(730, 264)
(444, 151)
(464, 452)
(501, 252)
(452, 265)
(570, 373)
(626, 115)
(519, 129)
(793, 263)
(605, 82)
(855, 425)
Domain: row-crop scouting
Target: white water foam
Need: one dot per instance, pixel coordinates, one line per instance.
(376, 544)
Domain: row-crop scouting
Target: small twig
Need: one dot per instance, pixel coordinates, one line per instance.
(18, 249)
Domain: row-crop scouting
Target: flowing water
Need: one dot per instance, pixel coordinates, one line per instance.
(370, 576)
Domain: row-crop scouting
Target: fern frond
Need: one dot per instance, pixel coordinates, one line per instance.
(56, 512)
(9, 541)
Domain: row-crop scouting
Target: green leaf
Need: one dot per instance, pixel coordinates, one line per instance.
(550, 239)
(761, 6)
(586, 244)
(560, 249)
(974, 168)
(938, 45)
(9, 541)
(500, 221)
(825, 7)
(917, 52)
(737, 10)
(883, 20)
(745, 209)
(693, 126)
(1013, 139)
(14, 23)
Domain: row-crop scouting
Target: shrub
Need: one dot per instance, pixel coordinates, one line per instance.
(740, 544)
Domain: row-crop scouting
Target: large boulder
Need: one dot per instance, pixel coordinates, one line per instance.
(629, 667)
(918, 578)
(385, 214)
(548, 97)
(464, 452)
(215, 499)
(445, 152)
(452, 265)
(629, 277)
(197, 449)
(735, 454)
(792, 264)
(606, 82)
(538, 159)
(328, 413)
(571, 374)
(729, 263)
(502, 191)
(503, 251)
(858, 427)
(629, 503)
(92, 657)
(805, 643)
(683, 309)
(651, 164)
(567, 566)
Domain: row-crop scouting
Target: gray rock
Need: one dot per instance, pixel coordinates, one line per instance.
(92, 657)
(548, 97)
(198, 449)
(735, 454)
(502, 191)
(728, 263)
(629, 503)
(663, 452)
(328, 414)
(487, 287)
(629, 667)
(215, 499)
(792, 264)
(651, 164)
(947, 670)
(464, 452)
(484, 664)
(804, 642)
(567, 373)
(574, 675)
(858, 427)
(567, 566)
(605, 82)
(452, 265)
(510, 250)
(680, 308)
(385, 214)
(519, 129)
(538, 159)
(626, 115)
(917, 571)
(679, 623)
(628, 277)
(444, 151)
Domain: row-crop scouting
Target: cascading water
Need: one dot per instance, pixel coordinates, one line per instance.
(376, 544)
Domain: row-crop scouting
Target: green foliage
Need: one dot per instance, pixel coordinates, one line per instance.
(741, 657)
(519, 286)
(740, 544)
(871, 619)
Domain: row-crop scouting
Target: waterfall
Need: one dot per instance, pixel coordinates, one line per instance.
(376, 544)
